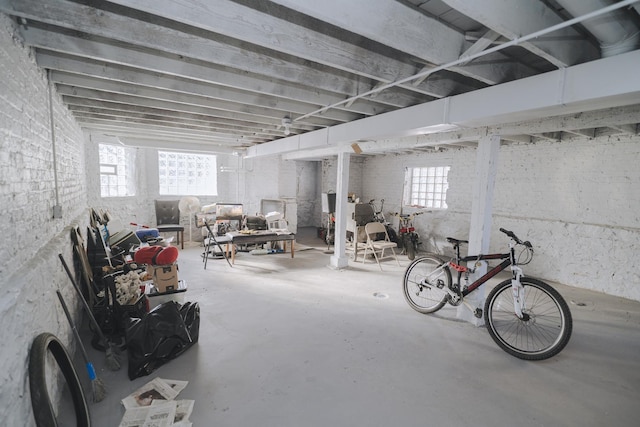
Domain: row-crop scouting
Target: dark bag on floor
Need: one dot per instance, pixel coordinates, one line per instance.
(161, 335)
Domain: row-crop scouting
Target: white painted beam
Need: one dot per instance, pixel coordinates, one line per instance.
(555, 93)
(518, 17)
(338, 259)
(69, 14)
(281, 35)
(177, 118)
(172, 65)
(481, 215)
(168, 131)
(105, 100)
(173, 145)
(393, 23)
(189, 93)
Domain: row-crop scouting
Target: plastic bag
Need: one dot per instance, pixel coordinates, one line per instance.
(161, 335)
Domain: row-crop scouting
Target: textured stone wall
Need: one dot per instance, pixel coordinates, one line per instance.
(30, 270)
(576, 200)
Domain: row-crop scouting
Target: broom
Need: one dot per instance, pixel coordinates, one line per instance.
(97, 386)
(111, 352)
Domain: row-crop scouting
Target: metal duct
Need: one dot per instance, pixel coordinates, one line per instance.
(616, 31)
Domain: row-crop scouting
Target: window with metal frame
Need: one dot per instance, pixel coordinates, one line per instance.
(117, 170)
(185, 174)
(426, 187)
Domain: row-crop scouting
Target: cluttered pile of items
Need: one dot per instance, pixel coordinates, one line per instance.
(132, 272)
(220, 222)
(134, 301)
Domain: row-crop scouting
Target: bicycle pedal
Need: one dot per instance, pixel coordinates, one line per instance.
(478, 313)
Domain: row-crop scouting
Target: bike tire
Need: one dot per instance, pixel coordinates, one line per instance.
(419, 282)
(43, 411)
(393, 236)
(411, 249)
(548, 329)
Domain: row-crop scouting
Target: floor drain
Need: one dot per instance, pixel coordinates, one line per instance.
(380, 295)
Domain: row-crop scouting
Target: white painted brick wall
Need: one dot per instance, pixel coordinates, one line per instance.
(244, 181)
(577, 201)
(308, 193)
(31, 238)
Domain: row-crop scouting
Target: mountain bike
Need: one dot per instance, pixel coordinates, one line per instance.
(408, 238)
(526, 317)
(378, 215)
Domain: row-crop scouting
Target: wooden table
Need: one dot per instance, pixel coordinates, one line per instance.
(260, 236)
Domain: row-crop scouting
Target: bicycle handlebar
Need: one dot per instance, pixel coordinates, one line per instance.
(515, 238)
(411, 215)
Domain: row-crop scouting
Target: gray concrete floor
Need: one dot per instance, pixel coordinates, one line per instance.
(291, 342)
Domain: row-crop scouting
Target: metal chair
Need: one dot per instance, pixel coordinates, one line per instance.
(210, 240)
(377, 242)
(168, 219)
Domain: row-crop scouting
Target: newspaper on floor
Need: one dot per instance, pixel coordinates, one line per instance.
(134, 417)
(154, 405)
(159, 414)
(156, 389)
(183, 411)
(176, 385)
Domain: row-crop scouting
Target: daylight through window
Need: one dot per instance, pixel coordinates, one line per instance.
(187, 174)
(427, 187)
(117, 173)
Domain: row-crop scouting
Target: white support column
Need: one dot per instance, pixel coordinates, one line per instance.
(481, 211)
(338, 259)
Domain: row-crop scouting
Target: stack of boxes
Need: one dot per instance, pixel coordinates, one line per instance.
(164, 285)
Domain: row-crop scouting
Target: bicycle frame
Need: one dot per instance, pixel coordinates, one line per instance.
(508, 260)
(525, 317)
(407, 233)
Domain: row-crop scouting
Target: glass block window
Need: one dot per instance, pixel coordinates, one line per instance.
(426, 187)
(185, 174)
(117, 170)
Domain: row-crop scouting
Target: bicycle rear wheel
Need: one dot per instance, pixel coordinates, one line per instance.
(546, 329)
(422, 284)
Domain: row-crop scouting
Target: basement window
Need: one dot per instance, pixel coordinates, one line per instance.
(187, 174)
(426, 187)
(117, 171)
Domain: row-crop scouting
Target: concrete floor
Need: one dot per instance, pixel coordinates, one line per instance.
(291, 342)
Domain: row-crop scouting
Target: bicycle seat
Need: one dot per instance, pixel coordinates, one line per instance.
(456, 241)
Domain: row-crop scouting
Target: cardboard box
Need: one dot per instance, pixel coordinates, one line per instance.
(165, 277)
(156, 298)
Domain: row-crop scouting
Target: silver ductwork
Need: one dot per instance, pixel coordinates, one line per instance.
(616, 31)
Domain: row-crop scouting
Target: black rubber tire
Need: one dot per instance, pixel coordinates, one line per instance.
(43, 411)
(419, 282)
(393, 236)
(548, 329)
(411, 249)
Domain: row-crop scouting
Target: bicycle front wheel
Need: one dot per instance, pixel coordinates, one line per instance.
(545, 329)
(411, 249)
(422, 284)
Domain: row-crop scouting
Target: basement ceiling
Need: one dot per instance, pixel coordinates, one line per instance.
(223, 75)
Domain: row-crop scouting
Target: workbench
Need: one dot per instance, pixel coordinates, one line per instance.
(256, 237)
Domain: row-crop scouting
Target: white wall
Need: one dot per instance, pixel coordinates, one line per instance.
(30, 270)
(578, 201)
(242, 181)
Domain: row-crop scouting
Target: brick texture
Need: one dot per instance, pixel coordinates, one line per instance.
(31, 238)
(576, 200)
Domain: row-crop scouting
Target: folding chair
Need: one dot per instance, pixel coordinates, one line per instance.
(211, 240)
(377, 242)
